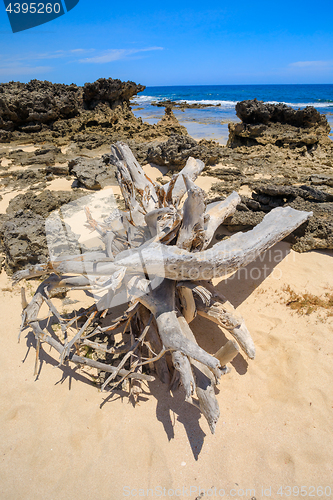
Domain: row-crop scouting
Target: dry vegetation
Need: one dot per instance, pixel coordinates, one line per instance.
(307, 303)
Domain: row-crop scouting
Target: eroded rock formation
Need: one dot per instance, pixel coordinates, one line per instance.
(279, 125)
(22, 234)
(52, 110)
(174, 152)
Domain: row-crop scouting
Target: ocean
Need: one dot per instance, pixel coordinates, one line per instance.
(212, 122)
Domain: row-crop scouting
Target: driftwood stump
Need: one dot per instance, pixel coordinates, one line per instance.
(157, 259)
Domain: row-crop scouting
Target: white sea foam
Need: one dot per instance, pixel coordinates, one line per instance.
(145, 98)
(303, 105)
(228, 104)
(148, 98)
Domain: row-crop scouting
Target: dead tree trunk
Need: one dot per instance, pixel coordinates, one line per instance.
(165, 279)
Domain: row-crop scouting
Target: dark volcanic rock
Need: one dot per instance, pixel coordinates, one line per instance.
(43, 203)
(242, 221)
(23, 232)
(25, 243)
(254, 112)
(29, 106)
(93, 173)
(177, 149)
(172, 153)
(56, 111)
(47, 155)
(59, 109)
(109, 91)
(140, 149)
(316, 233)
(24, 240)
(183, 105)
(278, 124)
(305, 192)
(90, 140)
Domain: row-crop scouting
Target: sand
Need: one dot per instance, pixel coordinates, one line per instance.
(61, 438)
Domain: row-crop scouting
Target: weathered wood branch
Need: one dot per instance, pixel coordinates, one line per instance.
(224, 257)
(161, 302)
(227, 352)
(187, 302)
(123, 158)
(158, 262)
(183, 366)
(204, 383)
(220, 311)
(192, 170)
(155, 344)
(191, 233)
(31, 319)
(216, 213)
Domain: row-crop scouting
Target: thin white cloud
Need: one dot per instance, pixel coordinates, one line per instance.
(29, 64)
(18, 70)
(58, 54)
(115, 55)
(81, 50)
(311, 64)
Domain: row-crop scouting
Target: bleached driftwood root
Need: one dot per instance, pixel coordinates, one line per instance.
(158, 262)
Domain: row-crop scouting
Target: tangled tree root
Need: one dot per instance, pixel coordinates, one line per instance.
(157, 260)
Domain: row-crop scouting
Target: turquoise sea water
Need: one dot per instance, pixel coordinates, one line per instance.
(212, 122)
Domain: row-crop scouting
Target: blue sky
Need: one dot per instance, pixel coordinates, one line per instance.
(176, 43)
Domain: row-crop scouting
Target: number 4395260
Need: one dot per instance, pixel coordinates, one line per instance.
(33, 8)
(304, 491)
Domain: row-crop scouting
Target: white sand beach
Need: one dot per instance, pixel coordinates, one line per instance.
(61, 438)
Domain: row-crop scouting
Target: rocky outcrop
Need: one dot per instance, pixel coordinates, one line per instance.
(254, 112)
(37, 166)
(93, 173)
(110, 92)
(24, 241)
(283, 157)
(47, 111)
(46, 155)
(278, 124)
(35, 105)
(316, 233)
(182, 105)
(42, 203)
(174, 152)
(23, 237)
(169, 124)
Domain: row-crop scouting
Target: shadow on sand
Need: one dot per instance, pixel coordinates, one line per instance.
(210, 337)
